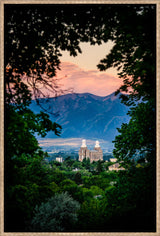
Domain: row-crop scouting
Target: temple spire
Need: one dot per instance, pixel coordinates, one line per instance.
(84, 143)
(97, 144)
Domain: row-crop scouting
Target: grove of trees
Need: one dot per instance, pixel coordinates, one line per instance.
(92, 199)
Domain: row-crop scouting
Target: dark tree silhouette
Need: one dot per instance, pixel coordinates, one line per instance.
(35, 38)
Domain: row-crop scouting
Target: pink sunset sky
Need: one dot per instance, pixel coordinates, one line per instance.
(81, 74)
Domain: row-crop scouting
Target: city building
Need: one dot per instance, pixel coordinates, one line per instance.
(59, 159)
(115, 166)
(93, 155)
(113, 159)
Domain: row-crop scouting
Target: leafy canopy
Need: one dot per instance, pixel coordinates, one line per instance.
(57, 214)
(35, 36)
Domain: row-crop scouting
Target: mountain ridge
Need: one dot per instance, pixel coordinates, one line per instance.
(86, 115)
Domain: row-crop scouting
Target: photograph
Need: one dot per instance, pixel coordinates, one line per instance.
(80, 117)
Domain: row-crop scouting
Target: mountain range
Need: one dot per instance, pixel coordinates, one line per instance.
(85, 115)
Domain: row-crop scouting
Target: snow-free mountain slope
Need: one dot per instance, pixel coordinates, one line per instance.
(86, 115)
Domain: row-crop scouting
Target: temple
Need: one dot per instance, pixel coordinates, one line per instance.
(93, 155)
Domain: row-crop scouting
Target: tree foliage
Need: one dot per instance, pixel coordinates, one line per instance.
(31, 64)
(21, 126)
(137, 139)
(57, 214)
(63, 27)
(134, 51)
(35, 36)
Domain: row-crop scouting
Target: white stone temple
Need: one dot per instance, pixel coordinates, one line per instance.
(93, 155)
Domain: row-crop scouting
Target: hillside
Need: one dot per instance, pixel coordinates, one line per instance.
(85, 115)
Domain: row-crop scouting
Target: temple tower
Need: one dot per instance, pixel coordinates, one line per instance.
(93, 155)
(97, 147)
(83, 152)
(97, 153)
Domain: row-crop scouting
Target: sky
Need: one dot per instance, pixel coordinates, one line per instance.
(80, 73)
(68, 143)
